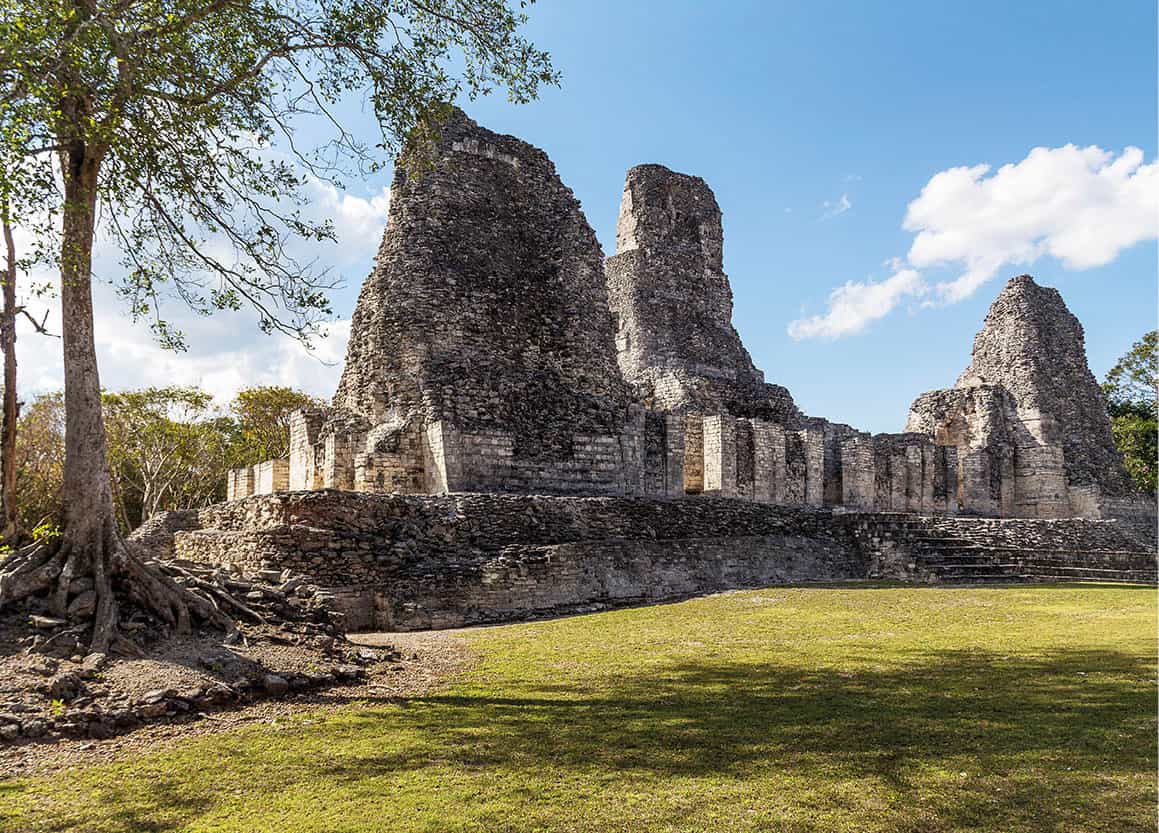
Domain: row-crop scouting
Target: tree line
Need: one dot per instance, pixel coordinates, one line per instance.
(169, 448)
(1132, 389)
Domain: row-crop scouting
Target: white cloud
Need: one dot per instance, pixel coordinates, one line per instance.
(1080, 206)
(856, 304)
(836, 209)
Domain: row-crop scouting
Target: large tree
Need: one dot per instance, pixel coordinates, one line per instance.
(159, 116)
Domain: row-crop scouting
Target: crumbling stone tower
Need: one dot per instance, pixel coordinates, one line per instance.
(493, 349)
(481, 355)
(1027, 415)
(673, 304)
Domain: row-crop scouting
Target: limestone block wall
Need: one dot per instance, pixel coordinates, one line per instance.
(239, 483)
(305, 433)
(899, 473)
(408, 561)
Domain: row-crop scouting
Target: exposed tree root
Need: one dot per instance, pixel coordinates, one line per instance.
(63, 570)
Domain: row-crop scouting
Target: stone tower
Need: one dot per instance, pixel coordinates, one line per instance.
(486, 317)
(673, 303)
(1027, 414)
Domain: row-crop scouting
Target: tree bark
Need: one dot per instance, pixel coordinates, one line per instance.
(11, 404)
(89, 527)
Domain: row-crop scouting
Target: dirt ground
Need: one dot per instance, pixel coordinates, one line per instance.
(408, 665)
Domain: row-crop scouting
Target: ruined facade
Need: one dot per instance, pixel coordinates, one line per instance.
(1027, 417)
(494, 349)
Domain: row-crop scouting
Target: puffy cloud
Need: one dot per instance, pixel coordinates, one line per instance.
(856, 304)
(1080, 206)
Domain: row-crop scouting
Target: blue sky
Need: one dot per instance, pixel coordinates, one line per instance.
(816, 124)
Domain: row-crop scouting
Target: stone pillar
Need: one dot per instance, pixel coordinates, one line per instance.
(271, 476)
(777, 455)
(814, 439)
(857, 475)
(239, 483)
(674, 455)
(443, 457)
(763, 467)
(634, 456)
(304, 427)
(338, 462)
(720, 455)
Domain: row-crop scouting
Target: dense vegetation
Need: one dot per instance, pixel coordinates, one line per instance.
(169, 448)
(792, 709)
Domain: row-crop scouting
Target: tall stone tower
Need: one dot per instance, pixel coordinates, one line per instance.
(485, 326)
(673, 303)
(1027, 414)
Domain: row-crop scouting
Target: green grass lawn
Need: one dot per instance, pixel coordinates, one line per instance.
(828, 709)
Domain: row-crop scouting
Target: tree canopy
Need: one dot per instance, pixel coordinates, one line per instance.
(174, 129)
(182, 101)
(1132, 388)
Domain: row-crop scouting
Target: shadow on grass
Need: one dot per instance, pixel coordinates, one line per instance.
(1047, 739)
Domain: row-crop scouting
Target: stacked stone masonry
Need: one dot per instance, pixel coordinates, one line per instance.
(403, 562)
(494, 349)
(523, 427)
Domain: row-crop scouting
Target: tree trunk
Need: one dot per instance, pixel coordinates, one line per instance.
(11, 405)
(90, 544)
(89, 526)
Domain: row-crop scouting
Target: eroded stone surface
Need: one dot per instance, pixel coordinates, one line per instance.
(494, 350)
(1027, 415)
(487, 308)
(673, 304)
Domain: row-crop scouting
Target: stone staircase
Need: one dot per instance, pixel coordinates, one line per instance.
(953, 559)
(978, 551)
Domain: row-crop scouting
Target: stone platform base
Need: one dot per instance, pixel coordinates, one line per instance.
(408, 562)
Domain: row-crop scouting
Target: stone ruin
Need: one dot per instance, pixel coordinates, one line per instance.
(494, 351)
(1028, 418)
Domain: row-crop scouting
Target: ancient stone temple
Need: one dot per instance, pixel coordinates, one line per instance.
(523, 427)
(494, 349)
(480, 355)
(1027, 416)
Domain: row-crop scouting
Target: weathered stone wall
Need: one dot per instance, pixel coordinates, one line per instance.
(413, 562)
(406, 562)
(487, 311)
(493, 351)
